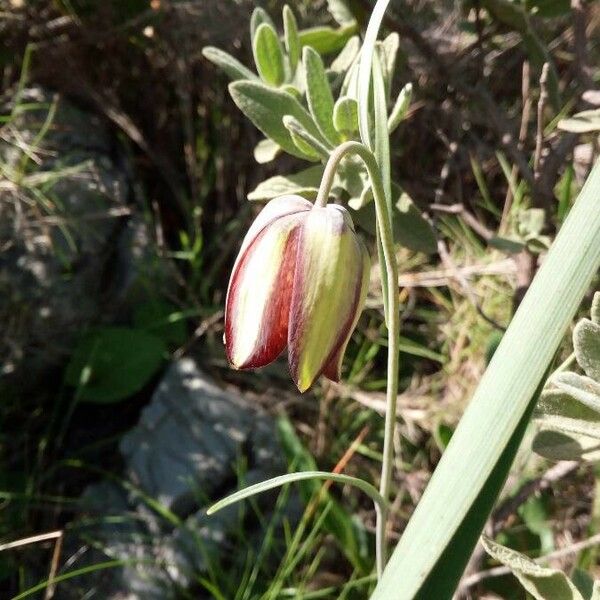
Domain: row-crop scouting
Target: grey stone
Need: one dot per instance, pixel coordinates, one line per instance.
(183, 454)
(73, 242)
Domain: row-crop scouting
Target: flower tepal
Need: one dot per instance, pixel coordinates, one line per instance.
(300, 280)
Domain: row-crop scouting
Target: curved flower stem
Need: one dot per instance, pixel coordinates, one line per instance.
(393, 318)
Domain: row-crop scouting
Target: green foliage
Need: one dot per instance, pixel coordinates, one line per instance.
(568, 412)
(266, 107)
(320, 98)
(296, 108)
(541, 582)
(112, 363)
(268, 55)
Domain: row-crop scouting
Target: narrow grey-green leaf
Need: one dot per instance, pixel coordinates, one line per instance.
(346, 58)
(345, 116)
(326, 40)
(319, 96)
(586, 343)
(268, 55)
(340, 11)
(305, 183)
(595, 312)
(413, 231)
(542, 583)
(388, 52)
(259, 16)
(304, 141)
(596, 591)
(266, 151)
(292, 39)
(400, 107)
(275, 482)
(266, 107)
(231, 66)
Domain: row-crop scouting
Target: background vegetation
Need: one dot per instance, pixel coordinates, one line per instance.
(480, 152)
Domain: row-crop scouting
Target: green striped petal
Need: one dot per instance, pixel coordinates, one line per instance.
(329, 291)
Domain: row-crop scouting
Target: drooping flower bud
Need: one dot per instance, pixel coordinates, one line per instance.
(299, 280)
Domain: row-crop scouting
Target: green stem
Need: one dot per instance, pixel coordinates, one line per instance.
(393, 317)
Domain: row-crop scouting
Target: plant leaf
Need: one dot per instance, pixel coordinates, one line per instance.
(586, 343)
(231, 66)
(112, 363)
(291, 37)
(268, 55)
(305, 184)
(265, 151)
(411, 229)
(557, 445)
(305, 142)
(502, 399)
(595, 312)
(347, 57)
(259, 16)
(388, 52)
(319, 96)
(276, 482)
(326, 40)
(541, 582)
(400, 108)
(583, 122)
(339, 10)
(266, 107)
(162, 319)
(348, 532)
(345, 116)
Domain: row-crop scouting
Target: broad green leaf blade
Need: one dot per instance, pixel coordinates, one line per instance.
(259, 16)
(541, 582)
(231, 66)
(411, 228)
(501, 399)
(268, 55)
(266, 151)
(443, 579)
(291, 37)
(276, 482)
(586, 343)
(345, 116)
(112, 363)
(162, 319)
(305, 184)
(304, 141)
(400, 108)
(326, 40)
(266, 107)
(319, 96)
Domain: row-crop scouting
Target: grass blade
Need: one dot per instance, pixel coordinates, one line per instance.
(501, 400)
(275, 482)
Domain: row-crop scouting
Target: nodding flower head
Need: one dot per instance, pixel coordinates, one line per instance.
(300, 280)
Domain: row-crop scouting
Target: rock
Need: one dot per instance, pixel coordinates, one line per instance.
(183, 454)
(69, 232)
